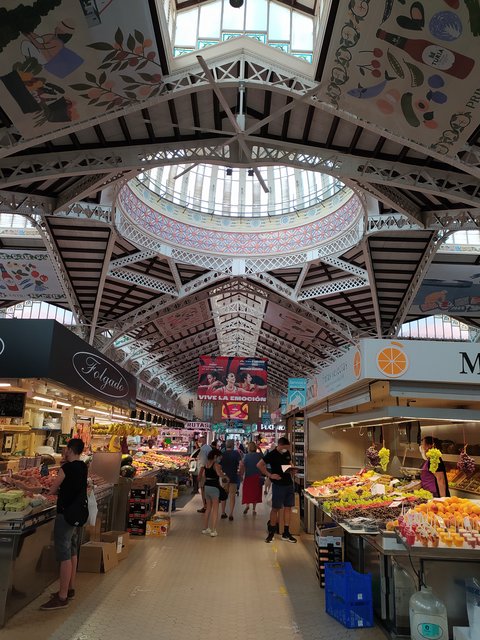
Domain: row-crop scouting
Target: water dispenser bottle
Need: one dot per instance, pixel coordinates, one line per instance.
(428, 616)
(473, 607)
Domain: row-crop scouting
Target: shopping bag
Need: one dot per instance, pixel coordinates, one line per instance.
(92, 508)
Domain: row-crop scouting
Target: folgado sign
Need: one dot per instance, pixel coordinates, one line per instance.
(100, 374)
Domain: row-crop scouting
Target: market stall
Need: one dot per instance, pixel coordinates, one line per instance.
(370, 410)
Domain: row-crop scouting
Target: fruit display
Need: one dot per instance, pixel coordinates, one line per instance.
(153, 461)
(30, 480)
(466, 463)
(384, 455)
(434, 456)
(372, 456)
(14, 501)
(380, 508)
(124, 429)
(443, 522)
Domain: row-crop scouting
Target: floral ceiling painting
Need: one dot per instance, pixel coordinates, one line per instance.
(65, 61)
(412, 68)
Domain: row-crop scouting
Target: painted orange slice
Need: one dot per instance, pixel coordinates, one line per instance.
(392, 361)
(357, 364)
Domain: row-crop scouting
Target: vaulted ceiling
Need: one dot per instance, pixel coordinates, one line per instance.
(125, 296)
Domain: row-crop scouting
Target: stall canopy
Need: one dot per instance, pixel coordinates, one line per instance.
(46, 349)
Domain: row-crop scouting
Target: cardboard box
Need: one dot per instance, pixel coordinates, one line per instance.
(93, 532)
(97, 557)
(121, 540)
(294, 518)
(158, 528)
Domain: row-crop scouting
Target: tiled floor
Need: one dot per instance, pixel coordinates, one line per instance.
(193, 586)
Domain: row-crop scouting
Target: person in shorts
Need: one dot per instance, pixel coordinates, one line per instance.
(231, 459)
(283, 494)
(70, 482)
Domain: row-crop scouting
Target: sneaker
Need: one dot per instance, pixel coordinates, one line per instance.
(287, 537)
(207, 531)
(230, 517)
(54, 603)
(213, 534)
(270, 536)
(202, 510)
(223, 516)
(245, 511)
(254, 513)
(70, 594)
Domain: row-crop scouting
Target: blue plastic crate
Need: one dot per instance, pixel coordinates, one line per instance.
(348, 595)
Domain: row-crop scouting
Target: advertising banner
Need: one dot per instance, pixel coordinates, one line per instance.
(236, 379)
(297, 393)
(46, 349)
(410, 68)
(235, 410)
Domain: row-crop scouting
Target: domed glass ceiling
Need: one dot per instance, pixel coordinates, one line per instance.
(237, 192)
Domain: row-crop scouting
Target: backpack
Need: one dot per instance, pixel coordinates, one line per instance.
(76, 514)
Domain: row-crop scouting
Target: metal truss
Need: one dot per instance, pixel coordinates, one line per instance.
(377, 223)
(437, 239)
(453, 185)
(394, 199)
(133, 258)
(373, 289)
(338, 285)
(143, 280)
(345, 266)
(250, 68)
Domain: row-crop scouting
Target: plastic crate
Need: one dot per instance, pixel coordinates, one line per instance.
(348, 595)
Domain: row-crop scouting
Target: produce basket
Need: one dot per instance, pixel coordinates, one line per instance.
(348, 595)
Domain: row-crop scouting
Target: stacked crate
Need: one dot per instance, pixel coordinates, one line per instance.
(140, 508)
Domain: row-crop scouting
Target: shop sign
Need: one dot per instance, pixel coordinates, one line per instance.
(272, 427)
(197, 425)
(409, 360)
(100, 374)
(297, 392)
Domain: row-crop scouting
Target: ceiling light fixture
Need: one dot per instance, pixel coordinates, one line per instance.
(63, 404)
(79, 408)
(42, 399)
(236, 4)
(5, 384)
(49, 410)
(103, 413)
(229, 172)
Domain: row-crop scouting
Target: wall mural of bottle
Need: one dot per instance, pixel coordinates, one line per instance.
(434, 55)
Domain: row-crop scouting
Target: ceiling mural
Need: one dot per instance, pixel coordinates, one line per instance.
(451, 289)
(408, 67)
(173, 324)
(292, 323)
(29, 275)
(64, 61)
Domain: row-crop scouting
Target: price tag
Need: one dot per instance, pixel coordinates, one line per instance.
(377, 489)
(395, 503)
(466, 523)
(394, 482)
(441, 521)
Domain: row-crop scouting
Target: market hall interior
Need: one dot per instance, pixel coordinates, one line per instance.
(191, 585)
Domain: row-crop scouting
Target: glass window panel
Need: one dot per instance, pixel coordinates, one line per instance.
(210, 17)
(233, 19)
(279, 22)
(302, 32)
(256, 15)
(186, 28)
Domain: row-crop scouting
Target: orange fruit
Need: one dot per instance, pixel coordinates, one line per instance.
(392, 360)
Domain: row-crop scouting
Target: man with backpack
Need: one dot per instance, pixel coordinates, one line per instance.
(72, 513)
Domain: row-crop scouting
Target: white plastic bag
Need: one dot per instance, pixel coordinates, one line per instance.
(92, 508)
(268, 497)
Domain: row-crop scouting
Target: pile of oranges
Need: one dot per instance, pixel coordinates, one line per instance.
(452, 510)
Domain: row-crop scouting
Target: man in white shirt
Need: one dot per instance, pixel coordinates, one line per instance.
(201, 462)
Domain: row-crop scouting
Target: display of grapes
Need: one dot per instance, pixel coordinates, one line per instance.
(466, 463)
(372, 456)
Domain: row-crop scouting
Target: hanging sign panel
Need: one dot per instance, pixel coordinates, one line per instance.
(408, 67)
(452, 289)
(65, 61)
(26, 275)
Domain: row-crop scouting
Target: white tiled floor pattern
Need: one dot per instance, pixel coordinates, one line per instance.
(192, 586)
